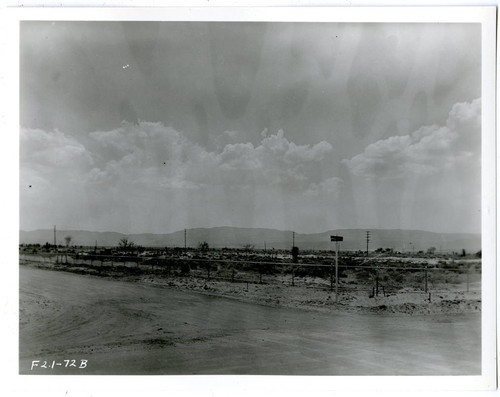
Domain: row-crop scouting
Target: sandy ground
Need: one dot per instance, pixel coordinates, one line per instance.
(410, 302)
(308, 294)
(137, 328)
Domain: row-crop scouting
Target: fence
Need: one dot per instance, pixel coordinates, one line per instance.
(354, 274)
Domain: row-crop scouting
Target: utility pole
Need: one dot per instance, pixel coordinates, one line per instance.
(295, 250)
(55, 246)
(367, 241)
(185, 244)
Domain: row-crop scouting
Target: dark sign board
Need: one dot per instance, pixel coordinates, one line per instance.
(336, 238)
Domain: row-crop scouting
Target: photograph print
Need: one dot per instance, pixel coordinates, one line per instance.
(250, 198)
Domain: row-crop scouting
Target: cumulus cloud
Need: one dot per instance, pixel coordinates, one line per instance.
(128, 176)
(162, 155)
(276, 161)
(427, 150)
(52, 164)
(52, 149)
(144, 154)
(228, 137)
(157, 156)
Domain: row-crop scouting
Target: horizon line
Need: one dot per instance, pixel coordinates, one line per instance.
(249, 228)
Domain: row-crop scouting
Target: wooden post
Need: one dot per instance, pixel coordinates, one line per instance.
(468, 277)
(425, 290)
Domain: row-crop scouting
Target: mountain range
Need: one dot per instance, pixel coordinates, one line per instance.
(232, 237)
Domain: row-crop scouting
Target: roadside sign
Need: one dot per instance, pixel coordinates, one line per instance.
(336, 239)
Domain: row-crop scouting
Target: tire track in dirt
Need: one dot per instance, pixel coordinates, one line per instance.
(128, 328)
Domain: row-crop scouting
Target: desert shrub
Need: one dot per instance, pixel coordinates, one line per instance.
(452, 278)
(449, 265)
(313, 271)
(178, 266)
(364, 274)
(128, 270)
(261, 268)
(396, 276)
(184, 268)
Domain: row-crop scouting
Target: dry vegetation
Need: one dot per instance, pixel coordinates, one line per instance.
(385, 282)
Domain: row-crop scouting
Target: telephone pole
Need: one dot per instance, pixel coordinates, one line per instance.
(55, 246)
(185, 244)
(367, 241)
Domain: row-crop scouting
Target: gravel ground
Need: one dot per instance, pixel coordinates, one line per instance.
(116, 325)
(451, 298)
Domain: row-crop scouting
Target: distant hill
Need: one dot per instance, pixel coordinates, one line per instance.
(231, 237)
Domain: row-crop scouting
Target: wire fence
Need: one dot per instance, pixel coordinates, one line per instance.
(369, 275)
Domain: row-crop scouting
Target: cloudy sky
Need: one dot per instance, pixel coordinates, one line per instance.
(156, 127)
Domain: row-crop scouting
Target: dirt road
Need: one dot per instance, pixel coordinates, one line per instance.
(126, 328)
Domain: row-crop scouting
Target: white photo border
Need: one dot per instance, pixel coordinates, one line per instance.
(246, 385)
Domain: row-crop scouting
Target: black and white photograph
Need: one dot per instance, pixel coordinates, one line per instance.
(255, 196)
